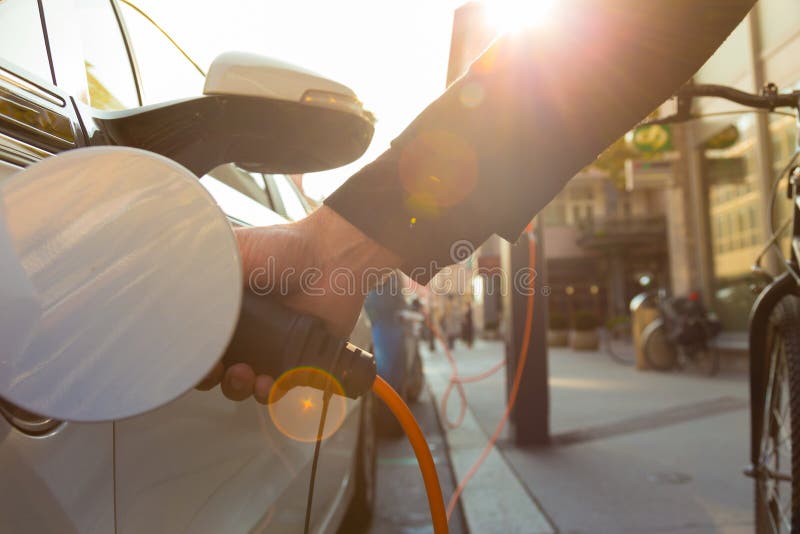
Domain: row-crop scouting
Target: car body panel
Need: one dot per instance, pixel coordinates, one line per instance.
(200, 463)
(61, 482)
(206, 464)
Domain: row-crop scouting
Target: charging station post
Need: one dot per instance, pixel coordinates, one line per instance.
(530, 416)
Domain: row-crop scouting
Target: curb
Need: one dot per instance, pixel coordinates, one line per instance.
(494, 500)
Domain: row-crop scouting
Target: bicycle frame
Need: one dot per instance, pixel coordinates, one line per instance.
(788, 283)
(782, 286)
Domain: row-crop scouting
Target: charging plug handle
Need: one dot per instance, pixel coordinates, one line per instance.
(274, 339)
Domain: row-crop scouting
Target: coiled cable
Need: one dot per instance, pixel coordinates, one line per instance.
(457, 381)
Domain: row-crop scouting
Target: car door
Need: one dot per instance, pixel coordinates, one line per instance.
(57, 477)
(204, 463)
(334, 467)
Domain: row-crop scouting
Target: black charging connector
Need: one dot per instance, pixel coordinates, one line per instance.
(274, 339)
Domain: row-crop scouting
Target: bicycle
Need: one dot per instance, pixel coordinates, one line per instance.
(774, 338)
(618, 340)
(680, 336)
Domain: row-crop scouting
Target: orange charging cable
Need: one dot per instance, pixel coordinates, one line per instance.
(512, 396)
(456, 381)
(439, 515)
(410, 426)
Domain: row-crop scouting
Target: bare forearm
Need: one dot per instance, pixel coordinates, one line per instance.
(324, 240)
(342, 245)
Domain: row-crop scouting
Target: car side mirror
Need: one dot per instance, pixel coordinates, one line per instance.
(120, 284)
(262, 114)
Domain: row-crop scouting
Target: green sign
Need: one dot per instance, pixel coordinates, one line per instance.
(652, 138)
(725, 138)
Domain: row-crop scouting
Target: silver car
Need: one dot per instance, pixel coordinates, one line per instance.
(201, 463)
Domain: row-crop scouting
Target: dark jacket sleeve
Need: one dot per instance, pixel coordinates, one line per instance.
(534, 109)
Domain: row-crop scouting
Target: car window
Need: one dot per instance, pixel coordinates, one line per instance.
(242, 181)
(22, 38)
(294, 206)
(269, 192)
(109, 77)
(238, 206)
(164, 71)
(90, 58)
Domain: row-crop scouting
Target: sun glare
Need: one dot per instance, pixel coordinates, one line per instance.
(515, 15)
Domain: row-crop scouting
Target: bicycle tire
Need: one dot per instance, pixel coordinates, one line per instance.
(783, 364)
(654, 344)
(618, 343)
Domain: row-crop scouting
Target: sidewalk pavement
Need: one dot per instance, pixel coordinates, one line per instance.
(631, 451)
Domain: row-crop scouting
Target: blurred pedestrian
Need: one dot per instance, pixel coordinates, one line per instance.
(427, 332)
(467, 328)
(451, 322)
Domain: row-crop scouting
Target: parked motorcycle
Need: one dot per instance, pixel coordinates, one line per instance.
(682, 335)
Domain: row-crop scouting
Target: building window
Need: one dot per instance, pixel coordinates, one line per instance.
(576, 214)
(555, 214)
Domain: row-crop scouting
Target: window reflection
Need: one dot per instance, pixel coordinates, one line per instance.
(166, 74)
(109, 79)
(21, 37)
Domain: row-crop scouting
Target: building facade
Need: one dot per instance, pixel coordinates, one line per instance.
(726, 192)
(601, 244)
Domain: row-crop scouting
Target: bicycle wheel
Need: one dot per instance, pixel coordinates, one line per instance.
(777, 473)
(618, 341)
(658, 351)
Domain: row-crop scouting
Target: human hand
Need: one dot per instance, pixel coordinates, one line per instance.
(302, 264)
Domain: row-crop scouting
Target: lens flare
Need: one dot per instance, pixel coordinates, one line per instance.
(471, 95)
(516, 15)
(295, 409)
(437, 169)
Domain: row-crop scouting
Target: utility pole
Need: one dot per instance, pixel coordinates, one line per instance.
(530, 417)
(764, 155)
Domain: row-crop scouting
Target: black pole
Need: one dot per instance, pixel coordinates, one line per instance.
(530, 417)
